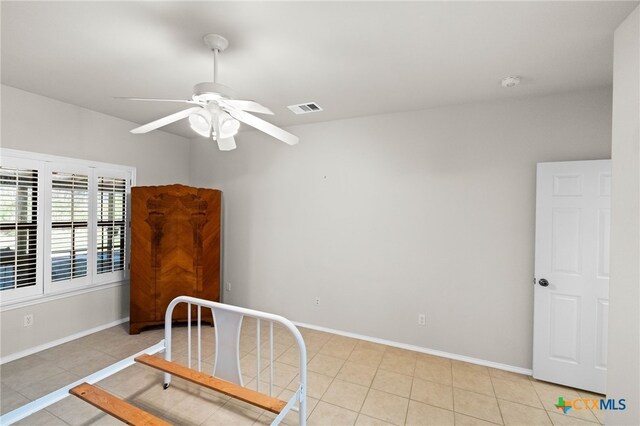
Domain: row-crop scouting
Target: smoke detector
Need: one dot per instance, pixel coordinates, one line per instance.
(510, 81)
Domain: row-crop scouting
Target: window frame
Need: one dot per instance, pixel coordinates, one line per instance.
(45, 287)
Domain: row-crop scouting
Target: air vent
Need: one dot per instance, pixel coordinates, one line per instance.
(305, 108)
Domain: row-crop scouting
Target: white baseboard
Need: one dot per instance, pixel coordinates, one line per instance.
(66, 339)
(443, 354)
(449, 355)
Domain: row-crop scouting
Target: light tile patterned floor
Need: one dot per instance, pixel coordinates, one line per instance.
(349, 382)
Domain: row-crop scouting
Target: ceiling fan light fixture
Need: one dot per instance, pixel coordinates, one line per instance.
(200, 122)
(228, 126)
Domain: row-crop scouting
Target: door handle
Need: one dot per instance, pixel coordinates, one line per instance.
(543, 282)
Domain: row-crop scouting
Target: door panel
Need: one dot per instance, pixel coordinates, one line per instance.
(563, 345)
(567, 185)
(605, 184)
(572, 255)
(566, 241)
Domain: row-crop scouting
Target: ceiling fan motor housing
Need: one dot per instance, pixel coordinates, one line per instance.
(208, 91)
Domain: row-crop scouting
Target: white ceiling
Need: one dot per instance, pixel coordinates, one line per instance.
(352, 58)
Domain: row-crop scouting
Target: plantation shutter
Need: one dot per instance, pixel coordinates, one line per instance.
(69, 242)
(18, 227)
(111, 211)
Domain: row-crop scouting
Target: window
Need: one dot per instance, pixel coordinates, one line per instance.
(19, 229)
(63, 224)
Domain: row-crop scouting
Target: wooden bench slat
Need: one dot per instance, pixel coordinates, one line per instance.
(258, 399)
(116, 407)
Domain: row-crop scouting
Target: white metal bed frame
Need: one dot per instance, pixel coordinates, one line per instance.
(228, 322)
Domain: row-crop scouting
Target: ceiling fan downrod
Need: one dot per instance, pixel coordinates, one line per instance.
(215, 65)
(216, 43)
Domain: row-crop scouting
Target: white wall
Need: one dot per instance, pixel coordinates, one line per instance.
(35, 123)
(389, 216)
(623, 379)
(381, 217)
(59, 319)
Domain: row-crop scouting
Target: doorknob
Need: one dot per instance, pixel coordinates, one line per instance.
(543, 282)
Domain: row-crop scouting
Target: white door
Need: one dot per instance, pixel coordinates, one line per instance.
(571, 296)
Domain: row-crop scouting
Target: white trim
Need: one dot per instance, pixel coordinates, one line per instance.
(409, 347)
(35, 300)
(66, 339)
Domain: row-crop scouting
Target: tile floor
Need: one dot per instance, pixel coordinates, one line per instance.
(350, 382)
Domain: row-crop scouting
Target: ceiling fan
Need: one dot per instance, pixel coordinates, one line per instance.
(216, 113)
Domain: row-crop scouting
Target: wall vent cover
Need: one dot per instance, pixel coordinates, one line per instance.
(305, 108)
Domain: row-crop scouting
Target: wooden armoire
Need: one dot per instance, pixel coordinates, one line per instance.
(175, 251)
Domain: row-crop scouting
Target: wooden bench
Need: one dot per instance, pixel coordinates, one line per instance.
(252, 397)
(116, 407)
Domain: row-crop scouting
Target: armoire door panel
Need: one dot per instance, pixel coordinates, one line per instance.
(175, 249)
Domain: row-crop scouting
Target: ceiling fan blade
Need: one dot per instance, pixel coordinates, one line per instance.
(165, 120)
(246, 106)
(185, 101)
(226, 144)
(264, 126)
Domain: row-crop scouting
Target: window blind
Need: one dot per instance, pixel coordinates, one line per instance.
(69, 225)
(18, 227)
(111, 224)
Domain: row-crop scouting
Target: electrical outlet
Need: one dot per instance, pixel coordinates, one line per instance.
(228, 286)
(28, 320)
(422, 319)
(317, 301)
